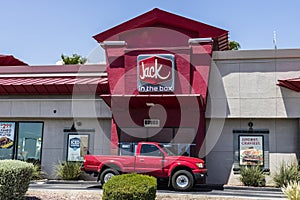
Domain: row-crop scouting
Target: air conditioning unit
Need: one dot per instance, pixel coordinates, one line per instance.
(151, 122)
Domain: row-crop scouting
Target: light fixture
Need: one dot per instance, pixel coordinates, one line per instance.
(105, 44)
(73, 128)
(250, 124)
(150, 104)
(200, 40)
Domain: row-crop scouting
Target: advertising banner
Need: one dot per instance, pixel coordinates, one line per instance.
(155, 73)
(251, 150)
(7, 134)
(77, 147)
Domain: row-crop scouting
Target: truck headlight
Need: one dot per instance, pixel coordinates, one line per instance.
(200, 165)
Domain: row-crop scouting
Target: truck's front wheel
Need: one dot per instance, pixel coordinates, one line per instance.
(107, 174)
(182, 180)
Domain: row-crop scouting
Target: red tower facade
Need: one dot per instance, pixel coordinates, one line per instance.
(158, 68)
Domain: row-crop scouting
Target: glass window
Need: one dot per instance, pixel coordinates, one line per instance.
(30, 141)
(150, 150)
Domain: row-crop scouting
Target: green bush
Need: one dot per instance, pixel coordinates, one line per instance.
(287, 174)
(14, 179)
(37, 173)
(252, 176)
(292, 190)
(68, 170)
(130, 186)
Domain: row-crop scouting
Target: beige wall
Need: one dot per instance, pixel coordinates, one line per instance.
(284, 146)
(245, 82)
(55, 141)
(242, 88)
(92, 114)
(43, 107)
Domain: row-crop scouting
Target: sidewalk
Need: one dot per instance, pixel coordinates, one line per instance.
(57, 189)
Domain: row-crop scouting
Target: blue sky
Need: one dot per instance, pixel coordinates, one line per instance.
(39, 31)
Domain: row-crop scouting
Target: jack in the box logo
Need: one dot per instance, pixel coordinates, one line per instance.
(155, 73)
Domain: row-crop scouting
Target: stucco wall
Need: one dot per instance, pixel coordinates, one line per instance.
(242, 88)
(59, 113)
(55, 140)
(53, 107)
(284, 139)
(244, 82)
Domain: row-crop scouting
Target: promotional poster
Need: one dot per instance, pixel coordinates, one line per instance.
(7, 134)
(251, 150)
(77, 147)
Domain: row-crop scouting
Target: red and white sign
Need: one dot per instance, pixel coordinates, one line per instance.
(155, 73)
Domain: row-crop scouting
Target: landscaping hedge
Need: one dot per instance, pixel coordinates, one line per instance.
(130, 186)
(14, 179)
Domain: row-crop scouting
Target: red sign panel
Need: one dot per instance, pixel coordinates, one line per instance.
(156, 73)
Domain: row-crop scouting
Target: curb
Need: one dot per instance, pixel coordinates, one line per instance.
(270, 189)
(63, 182)
(203, 186)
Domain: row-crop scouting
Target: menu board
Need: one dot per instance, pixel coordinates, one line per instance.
(7, 134)
(77, 147)
(251, 150)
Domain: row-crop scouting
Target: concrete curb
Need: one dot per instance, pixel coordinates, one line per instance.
(63, 182)
(270, 189)
(203, 186)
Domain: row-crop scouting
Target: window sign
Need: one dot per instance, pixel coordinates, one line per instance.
(251, 150)
(7, 134)
(77, 147)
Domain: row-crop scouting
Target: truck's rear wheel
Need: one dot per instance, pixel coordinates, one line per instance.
(107, 174)
(182, 180)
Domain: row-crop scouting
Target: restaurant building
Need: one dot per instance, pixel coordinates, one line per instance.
(167, 79)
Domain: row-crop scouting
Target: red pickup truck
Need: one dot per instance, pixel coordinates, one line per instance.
(150, 158)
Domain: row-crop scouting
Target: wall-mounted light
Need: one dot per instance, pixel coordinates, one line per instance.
(150, 104)
(73, 128)
(200, 40)
(250, 124)
(105, 44)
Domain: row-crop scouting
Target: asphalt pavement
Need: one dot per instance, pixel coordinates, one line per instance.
(198, 192)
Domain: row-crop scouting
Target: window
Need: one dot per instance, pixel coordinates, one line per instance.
(150, 150)
(21, 140)
(29, 141)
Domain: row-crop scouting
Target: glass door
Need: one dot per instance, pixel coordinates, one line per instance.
(30, 141)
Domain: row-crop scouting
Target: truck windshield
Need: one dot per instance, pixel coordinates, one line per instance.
(168, 151)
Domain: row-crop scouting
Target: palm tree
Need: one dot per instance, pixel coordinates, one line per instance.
(233, 45)
(73, 60)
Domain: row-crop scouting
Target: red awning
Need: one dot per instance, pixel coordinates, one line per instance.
(8, 60)
(166, 100)
(292, 84)
(53, 85)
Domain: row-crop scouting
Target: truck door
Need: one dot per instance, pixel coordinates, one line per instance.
(150, 161)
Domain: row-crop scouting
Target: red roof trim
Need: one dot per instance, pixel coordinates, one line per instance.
(292, 84)
(54, 85)
(159, 16)
(52, 69)
(168, 100)
(9, 60)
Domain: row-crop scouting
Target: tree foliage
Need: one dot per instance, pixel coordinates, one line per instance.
(73, 60)
(233, 45)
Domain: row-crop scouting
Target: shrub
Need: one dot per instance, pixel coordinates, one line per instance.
(252, 176)
(14, 179)
(68, 170)
(37, 173)
(287, 173)
(130, 186)
(292, 190)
